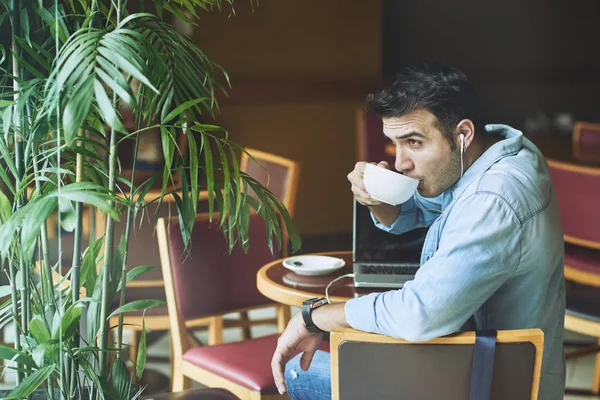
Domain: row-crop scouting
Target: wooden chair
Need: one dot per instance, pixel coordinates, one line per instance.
(208, 282)
(586, 141)
(578, 190)
(282, 176)
(368, 366)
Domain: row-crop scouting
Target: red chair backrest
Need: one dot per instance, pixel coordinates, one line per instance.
(578, 190)
(373, 146)
(209, 281)
(586, 141)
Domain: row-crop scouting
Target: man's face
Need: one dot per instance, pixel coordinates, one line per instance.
(423, 152)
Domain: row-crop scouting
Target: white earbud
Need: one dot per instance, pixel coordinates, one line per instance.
(461, 137)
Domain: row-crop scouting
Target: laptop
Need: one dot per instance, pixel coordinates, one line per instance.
(383, 259)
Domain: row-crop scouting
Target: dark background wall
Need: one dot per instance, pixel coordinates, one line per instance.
(526, 56)
(299, 71)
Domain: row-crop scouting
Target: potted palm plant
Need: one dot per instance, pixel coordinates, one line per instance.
(71, 66)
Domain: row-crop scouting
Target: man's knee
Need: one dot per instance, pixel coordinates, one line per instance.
(312, 384)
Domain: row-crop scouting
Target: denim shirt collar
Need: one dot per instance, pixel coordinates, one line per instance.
(510, 145)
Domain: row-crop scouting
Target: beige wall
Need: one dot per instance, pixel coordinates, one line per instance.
(286, 41)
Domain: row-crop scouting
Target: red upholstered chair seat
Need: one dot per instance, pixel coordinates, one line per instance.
(247, 363)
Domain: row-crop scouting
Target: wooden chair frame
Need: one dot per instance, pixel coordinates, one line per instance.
(534, 336)
(183, 370)
(289, 199)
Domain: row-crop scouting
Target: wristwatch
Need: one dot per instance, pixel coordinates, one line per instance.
(307, 307)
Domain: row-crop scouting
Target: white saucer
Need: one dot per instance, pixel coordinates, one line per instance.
(313, 265)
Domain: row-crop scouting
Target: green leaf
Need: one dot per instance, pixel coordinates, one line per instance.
(5, 208)
(68, 217)
(31, 383)
(169, 153)
(37, 213)
(89, 193)
(140, 363)
(122, 92)
(121, 381)
(69, 322)
(226, 177)
(134, 273)
(48, 349)
(39, 330)
(293, 235)
(25, 25)
(88, 265)
(126, 65)
(9, 353)
(77, 108)
(93, 311)
(92, 374)
(106, 108)
(183, 223)
(181, 108)
(136, 305)
(117, 266)
(210, 174)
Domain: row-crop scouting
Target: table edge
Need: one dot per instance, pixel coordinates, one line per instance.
(286, 295)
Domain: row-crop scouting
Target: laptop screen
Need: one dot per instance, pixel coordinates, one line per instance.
(374, 246)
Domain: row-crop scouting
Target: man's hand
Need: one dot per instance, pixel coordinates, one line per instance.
(358, 186)
(295, 337)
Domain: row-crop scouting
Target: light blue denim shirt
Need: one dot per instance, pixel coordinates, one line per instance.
(494, 252)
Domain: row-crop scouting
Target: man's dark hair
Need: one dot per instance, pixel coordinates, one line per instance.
(440, 89)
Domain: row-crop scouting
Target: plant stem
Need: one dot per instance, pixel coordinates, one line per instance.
(46, 271)
(76, 264)
(108, 253)
(127, 233)
(108, 238)
(14, 19)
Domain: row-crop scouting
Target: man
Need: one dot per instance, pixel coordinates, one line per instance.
(494, 250)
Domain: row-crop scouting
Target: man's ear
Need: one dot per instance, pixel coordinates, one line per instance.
(466, 128)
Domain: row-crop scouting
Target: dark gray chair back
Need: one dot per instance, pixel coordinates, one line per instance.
(415, 371)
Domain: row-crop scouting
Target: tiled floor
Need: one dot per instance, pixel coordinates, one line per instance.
(579, 371)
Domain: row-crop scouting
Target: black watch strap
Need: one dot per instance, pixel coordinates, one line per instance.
(307, 307)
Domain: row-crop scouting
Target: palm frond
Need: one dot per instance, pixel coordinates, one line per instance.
(96, 59)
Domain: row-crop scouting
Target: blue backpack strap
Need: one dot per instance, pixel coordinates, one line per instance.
(483, 365)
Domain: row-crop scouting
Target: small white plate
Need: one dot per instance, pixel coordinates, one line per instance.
(313, 265)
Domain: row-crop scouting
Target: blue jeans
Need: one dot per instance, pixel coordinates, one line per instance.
(314, 384)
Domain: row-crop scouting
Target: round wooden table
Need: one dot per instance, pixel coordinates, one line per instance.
(286, 287)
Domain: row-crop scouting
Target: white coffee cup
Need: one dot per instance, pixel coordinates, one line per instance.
(388, 186)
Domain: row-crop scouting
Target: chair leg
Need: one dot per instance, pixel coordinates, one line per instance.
(596, 383)
(215, 331)
(180, 382)
(283, 317)
(245, 328)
